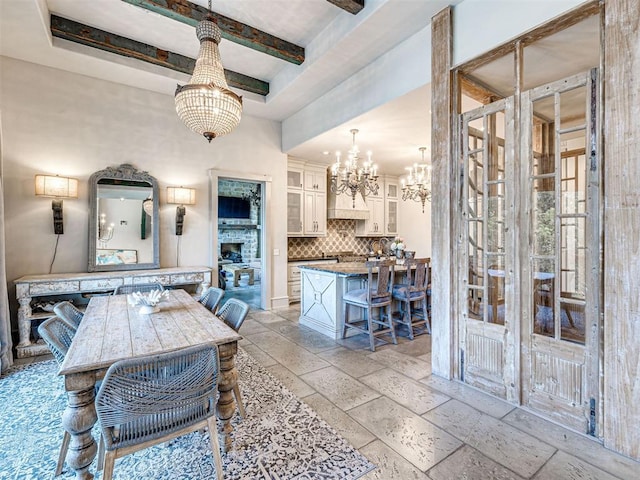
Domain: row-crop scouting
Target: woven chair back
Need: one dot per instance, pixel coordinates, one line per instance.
(233, 313)
(68, 312)
(152, 397)
(58, 336)
(211, 298)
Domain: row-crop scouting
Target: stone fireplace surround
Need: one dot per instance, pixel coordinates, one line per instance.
(231, 231)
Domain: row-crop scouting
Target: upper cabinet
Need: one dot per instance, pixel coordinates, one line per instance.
(306, 200)
(295, 177)
(383, 211)
(315, 180)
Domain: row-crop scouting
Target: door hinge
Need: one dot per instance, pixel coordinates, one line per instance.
(592, 417)
(462, 365)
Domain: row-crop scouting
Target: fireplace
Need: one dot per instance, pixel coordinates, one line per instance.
(231, 251)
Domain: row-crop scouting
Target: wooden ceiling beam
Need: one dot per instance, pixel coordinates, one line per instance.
(232, 30)
(113, 43)
(351, 6)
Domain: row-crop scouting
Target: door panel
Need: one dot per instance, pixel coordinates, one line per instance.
(559, 374)
(486, 331)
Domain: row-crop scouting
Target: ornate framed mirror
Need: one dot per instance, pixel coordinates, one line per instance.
(123, 222)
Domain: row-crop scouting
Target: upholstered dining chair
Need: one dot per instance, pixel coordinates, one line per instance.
(140, 287)
(211, 298)
(233, 313)
(376, 295)
(148, 400)
(58, 334)
(411, 294)
(69, 313)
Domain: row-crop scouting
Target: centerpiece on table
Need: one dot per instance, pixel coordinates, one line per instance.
(148, 302)
(397, 247)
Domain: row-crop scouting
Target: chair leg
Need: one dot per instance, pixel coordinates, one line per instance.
(100, 464)
(63, 452)
(346, 319)
(427, 320)
(372, 339)
(215, 446)
(390, 320)
(236, 393)
(109, 462)
(409, 320)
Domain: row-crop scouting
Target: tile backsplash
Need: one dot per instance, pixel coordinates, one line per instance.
(341, 237)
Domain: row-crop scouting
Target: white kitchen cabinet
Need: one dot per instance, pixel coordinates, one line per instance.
(315, 180)
(306, 199)
(391, 216)
(315, 213)
(295, 212)
(295, 177)
(374, 226)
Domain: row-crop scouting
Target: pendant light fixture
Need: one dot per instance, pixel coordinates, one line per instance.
(205, 104)
(418, 183)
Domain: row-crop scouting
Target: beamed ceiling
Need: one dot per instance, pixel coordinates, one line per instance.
(280, 55)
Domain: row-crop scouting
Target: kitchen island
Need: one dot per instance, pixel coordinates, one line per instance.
(323, 287)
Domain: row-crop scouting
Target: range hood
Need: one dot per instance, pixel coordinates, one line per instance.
(341, 206)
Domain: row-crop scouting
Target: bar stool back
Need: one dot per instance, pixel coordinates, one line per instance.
(413, 292)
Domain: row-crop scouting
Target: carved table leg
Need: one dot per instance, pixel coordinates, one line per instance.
(78, 419)
(226, 405)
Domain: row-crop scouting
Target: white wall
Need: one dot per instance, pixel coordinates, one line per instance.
(68, 124)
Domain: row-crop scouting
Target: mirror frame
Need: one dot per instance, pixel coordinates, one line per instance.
(125, 172)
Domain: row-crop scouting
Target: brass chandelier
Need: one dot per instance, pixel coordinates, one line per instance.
(350, 177)
(205, 104)
(418, 183)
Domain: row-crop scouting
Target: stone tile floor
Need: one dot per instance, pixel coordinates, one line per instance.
(411, 424)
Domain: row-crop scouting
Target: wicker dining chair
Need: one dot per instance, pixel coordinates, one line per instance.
(233, 313)
(58, 334)
(69, 313)
(411, 294)
(376, 295)
(148, 400)
(211, 298)
(140, 287)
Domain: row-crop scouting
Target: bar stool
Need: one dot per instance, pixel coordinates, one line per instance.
(413, 291)
(376, 295)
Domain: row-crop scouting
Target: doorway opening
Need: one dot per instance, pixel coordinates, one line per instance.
(239, 244)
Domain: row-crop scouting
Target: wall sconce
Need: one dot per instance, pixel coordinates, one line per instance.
(181, 196)
(59, 188)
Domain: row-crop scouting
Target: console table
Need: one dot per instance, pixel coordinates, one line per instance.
(64, 285)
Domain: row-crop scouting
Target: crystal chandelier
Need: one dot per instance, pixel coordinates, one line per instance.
(351, 178)
(418, 183)
(205, 104)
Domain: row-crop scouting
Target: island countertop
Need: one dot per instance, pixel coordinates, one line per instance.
(346, 269)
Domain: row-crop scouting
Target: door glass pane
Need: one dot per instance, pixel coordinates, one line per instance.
(543, 217)
(543, 276)
(495, 152)
(495, 300)
(495, 219)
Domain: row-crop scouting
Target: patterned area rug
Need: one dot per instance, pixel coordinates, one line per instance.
(281, 438)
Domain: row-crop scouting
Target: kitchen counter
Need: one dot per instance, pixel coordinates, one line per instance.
(347, 269)
(310, 259)
(323, 287)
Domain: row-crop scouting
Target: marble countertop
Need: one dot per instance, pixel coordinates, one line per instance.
(347, 269)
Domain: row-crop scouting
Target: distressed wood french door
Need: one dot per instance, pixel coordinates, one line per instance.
(561, 331)
(487, 329)
(529, 295)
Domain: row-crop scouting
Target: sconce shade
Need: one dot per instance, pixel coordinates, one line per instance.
(181, 196)
(55, 186)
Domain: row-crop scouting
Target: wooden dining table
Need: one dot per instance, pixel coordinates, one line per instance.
(113, 330)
